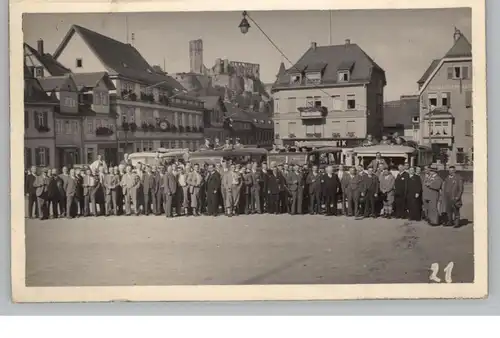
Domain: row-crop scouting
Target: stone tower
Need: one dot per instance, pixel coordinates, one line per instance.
(196, 56)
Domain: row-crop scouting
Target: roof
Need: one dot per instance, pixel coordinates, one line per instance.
(48, 61)
(384, 149)
(429, 70)
(91, 80)
(259, 120)
(401, 112)
(461, 48)
(54, 82)
(220, 153)
(335, 58)
(119, 58)
(33, 91)
(210, 101)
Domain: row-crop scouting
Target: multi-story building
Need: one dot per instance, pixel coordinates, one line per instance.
(402, 117)
(445, 92)
(39, 136)
(42, 64)
(333, 95)
(152, 109)
(213, 118)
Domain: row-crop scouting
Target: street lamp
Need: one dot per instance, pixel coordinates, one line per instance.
(244, 25)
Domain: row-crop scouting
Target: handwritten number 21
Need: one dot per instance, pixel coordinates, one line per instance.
(447, 272)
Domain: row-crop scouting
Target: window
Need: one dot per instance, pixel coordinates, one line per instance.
(343, 76)
(39, 71)
(351, 102)
(277, 106)
(415, 119)
(468, 98)
(458, 72)
(292, 104)
(445, 123)
(469, 128)
(42, 156)
(27, 157)
(97, 98)
(445, 99)
(291, 128)
(26, 120)
(69, 102)
(337, 103)
(313, 77)
(104, 99)
(309, 101)
(75, 127)
(432, 100)
(90, 127)
(79, 63)
(67, 127)
(295, 78)
(460, 150)
(40, 119)
(317, 102)
(90, 155)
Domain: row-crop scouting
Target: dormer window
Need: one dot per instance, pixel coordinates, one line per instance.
(295, 78)
(38, 72)
(314, 77)
(343, 76)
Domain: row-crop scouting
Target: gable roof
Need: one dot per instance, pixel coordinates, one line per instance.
(33, 91)
(91, 80)
(461, 48)
(429, 70)
(119, 58)
(56, 83)
(52, 65)
(400, 112)
(331, 59)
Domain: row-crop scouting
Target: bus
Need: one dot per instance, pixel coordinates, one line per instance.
(165, 156)
(238, 156)
(325, 156)
(394, 155)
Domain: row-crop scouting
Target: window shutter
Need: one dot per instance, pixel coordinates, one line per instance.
(26, 120)
(37, 156)
(448, 95)
(35, 116)
(450, 73)
(47, 157)
(45, 119)
(468, 98)
(465, 72)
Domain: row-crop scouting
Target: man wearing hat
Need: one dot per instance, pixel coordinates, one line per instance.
(207, 145)
(453, 188)
(41, 184)
(237, 144)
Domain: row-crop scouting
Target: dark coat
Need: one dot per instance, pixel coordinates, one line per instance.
(330, 185)
(371, 184)
(213, 183)
(274, 183)
(414, 186)
(314, 183)
(148, 183)
(401, 184)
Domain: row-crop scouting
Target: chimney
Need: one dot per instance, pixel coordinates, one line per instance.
(457, 34)
(313, 45)
(40, 46)
(347, 41)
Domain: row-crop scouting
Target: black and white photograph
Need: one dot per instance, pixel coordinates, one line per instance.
(327, 148)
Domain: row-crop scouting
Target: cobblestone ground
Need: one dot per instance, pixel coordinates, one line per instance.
(257, 249)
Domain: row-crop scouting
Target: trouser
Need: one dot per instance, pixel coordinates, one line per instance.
(119, 200)
(62, 205)
(248, 203)
(414, 208)
(111, 203)
(149, 199)
(274, 203)
(185, 197)
(343, 200)
(370, 202)
(331, 205)
(169, 199)
(400, 206)
(43, 211)
(235, 196)
(353, 204)
(387, 202)
(159, 200)
(314, 202)
(452, 212)
(80, 204)
(224, 198)
(90, 205)
(432, 211)
(212, 202)
(255, 200)
(70, 206)
(32, 204)
(300, 200)
(294, 202)
(128, 200)
(53, 203)
(284, 201)
(195, 199)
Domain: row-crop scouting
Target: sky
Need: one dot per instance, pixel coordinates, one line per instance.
(402, 42)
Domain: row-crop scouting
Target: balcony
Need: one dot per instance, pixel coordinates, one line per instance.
(313, 135)
(311, 113)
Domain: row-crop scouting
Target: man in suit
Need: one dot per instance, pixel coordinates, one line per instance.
(31, 192)
(314, 183)
(247, 189)
(62, 192)
(53, 192)
(431, 191)
(414, 195)
(275, 180)
(226, 186)
(354, 192)
(148, 190)
(159, 192)
(139, 188)
(372, 184)
(237, 182)
(255, 189)
(264, 196)
(79, 198)
(400, 192)
(453, 188)
(89, 184)
(70, 186)
(212, 186)
(330, 185)
(343, 177)
(169, 187)
(194, 181)
(386, 185)
(130, 183)
(293, 181)
(111, 182)
(41, 185)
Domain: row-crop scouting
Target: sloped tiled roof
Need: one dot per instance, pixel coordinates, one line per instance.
(210, 101)
(429, 70)
(461, 48)
(334, 57)
(33, 91)
(52, 65)
(91, 80)
(119, 58)
(400, 112)
(55, 83)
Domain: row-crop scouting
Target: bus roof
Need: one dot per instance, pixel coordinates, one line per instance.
(384, 149)
(327, 150)
(229, 152)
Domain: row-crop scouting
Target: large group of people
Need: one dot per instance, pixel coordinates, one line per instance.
(183, 189)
